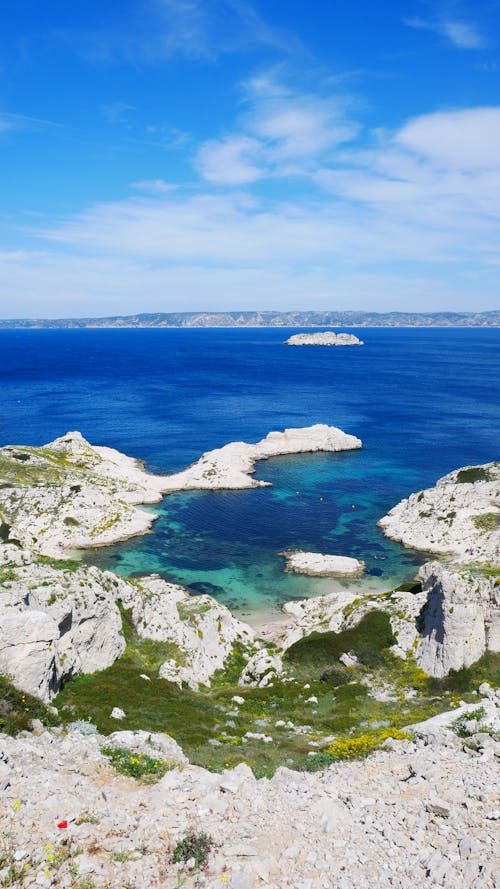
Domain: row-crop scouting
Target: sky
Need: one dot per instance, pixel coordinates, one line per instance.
(213, 155)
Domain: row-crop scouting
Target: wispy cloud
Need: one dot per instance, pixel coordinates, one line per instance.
(117, 112)
(282, 131)
(158, 30)
(153, 186)
(458, 32)
(11, 121)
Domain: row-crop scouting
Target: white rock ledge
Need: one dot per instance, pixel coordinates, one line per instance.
(325, 338)
(320, 565)
(231, 466)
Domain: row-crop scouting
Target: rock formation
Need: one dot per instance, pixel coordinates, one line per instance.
(326, 338)
(320, 565)
(460, 619)
(460, 516)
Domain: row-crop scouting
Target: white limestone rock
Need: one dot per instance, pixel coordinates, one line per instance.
(460, 516)
(262, 668)
(320, 565)
(231, 466)
(69, 495)
(201, 632)
(461, 618)
(324, 338)
(155, 744)
(368, 823)
(56, 623)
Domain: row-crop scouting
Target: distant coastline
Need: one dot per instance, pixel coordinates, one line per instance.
(313, 319)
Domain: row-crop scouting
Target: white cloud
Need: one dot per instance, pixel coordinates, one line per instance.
(282, 132)
(153, 186)
(423, 200)
(11, 121)
(459, 140)
(230, 161)
(158, 30)
(83, 287)
(461, 34)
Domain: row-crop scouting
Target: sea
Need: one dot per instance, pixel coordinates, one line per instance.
(423, 401)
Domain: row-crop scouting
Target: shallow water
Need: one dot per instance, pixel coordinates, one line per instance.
(422, 401)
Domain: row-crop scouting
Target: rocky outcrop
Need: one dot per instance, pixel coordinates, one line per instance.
(460, 619)
(326, 338)
(201, 631)
(71, 495)
(58, 622)
(55, 623)
(320, 565)
(460, 516)
(231, 466)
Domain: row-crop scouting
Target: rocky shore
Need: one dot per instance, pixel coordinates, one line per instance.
(326, 338)
(348, 671)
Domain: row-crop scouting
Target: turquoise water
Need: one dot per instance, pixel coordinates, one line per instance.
(226, 543)
(423, 402)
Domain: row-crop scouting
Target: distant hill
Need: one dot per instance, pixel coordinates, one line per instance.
(269, 319)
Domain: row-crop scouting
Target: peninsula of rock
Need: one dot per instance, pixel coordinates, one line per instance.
(71, 495)
(324, 338)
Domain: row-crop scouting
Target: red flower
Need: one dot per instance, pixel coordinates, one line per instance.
(62, 824)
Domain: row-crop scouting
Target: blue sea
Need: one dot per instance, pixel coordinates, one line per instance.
(423, 402)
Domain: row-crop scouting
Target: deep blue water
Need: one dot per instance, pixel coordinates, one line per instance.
(422, 401)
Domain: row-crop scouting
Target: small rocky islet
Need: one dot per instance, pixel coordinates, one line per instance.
(409, 671)
(324, 338)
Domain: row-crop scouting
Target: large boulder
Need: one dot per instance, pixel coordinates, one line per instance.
(460, 619)
(56, 623)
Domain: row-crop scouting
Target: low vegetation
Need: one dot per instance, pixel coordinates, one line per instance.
(473, 474)
(317, 703)
(138, 765)
(194, 848)
(487, 521)
(18, 708)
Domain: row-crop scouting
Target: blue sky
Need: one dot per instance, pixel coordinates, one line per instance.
(194, 155)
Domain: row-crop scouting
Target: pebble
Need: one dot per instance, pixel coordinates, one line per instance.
(361, 824)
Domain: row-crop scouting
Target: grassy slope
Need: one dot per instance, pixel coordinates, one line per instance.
(193, 718)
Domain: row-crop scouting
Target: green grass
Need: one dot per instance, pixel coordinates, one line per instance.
(367, 640)
(487, 669)
(59, 564)
(18, 708)
(195, 719)
(487, 521)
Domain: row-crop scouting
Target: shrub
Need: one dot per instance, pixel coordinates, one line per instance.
(138, 765)
(353, 748)
(336, 675)
(459, 726)
(196, 846)
(18, 708)
(473, 474)
(367, 640)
